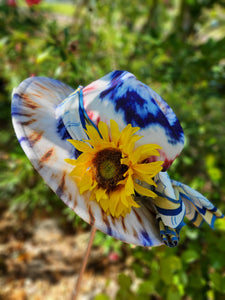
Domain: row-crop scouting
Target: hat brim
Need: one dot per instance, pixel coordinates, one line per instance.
(37, 126)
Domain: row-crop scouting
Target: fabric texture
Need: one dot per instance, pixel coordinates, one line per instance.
(46, 113)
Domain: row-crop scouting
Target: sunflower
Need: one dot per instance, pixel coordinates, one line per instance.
(112, 169)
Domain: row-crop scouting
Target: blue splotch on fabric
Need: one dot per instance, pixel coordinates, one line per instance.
(134, 100)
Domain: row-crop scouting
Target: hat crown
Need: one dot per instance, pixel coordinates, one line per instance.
(123, 98)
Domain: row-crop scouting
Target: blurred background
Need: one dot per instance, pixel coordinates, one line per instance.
(178, 48)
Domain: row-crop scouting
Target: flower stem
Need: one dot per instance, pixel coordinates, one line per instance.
(83, 266)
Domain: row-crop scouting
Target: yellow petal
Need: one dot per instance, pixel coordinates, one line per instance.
(93, 133)
(124, 198)
(85, 183)
(104, 203)
(130, 145)
(129, 186)
(145, 151)
(121, 210)
(128, 173)
(100, 194)
(94, 143)
(81, 165)
(115, 132)
(92, 196)
(143, 191)
(103, 129)
(80, 145)
(71, 161)
(114, 199)
(127, 133)
(94, 184)
(85, 156)
(78, 172)
(127, 146)
(132, 202)
(150, 168)
(146, 178)
(125, 161)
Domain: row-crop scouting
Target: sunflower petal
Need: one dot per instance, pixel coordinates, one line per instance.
(150, 168)
(114, 202)
(146, 178)
(129, 186)
(103, 129)
(124, 199)
(100, 194)
(115, 132)
(104, 203)
(129, 146)
(143, 191)
(93, 133)
(121, 210)
(125, 161)
(80, 145)
(71, 161)
(145, 151)
(132, 202)
(127, 133)
(85, 183)
(77, 171)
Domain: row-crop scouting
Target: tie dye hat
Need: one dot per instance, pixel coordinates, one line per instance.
(104, 150)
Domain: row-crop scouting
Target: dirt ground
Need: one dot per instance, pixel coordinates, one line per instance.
(40, 260)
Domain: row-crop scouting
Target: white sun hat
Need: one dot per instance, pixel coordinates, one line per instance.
(46, 113)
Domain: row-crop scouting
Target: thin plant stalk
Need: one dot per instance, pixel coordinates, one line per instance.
(83, 266)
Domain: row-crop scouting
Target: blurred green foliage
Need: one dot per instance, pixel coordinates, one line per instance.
(177, 47)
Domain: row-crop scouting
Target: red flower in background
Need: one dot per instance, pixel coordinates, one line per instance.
(11, 3)
(33, 2)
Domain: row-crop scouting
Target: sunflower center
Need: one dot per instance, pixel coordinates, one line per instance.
(108, 169)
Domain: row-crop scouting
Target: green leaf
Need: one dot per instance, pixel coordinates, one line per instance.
(146, 287)
(220, 224)
(124, 281)
(218, 282)
(189, 256)
(192, 233)
(173, 294)
(168, 266)
(138, 269)
(124, 292)
(42, 57)
(196, 279)
(101, 297)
